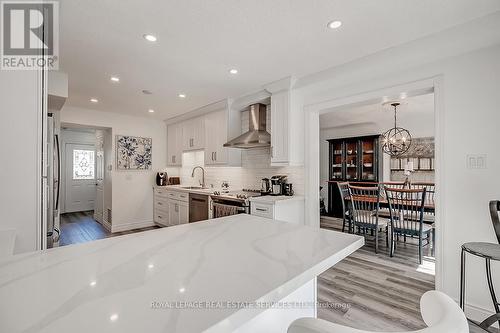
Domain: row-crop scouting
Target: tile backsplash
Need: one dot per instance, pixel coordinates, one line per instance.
(255, 165)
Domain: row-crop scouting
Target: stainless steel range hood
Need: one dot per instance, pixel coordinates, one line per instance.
(257, 136)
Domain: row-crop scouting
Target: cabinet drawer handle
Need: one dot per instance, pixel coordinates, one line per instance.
(215, 153)
(159, 216)
(159, 203)
(182, 196)
(261, 209)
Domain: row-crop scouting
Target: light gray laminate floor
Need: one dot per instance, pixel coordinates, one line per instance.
(374, 291)
(80, 227)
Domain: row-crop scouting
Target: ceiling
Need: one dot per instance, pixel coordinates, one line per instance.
(415, 114)
(199, 41)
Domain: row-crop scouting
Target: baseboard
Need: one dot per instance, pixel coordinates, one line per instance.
(106, 224)
(119, 227)
(98, 218)
(477, 313)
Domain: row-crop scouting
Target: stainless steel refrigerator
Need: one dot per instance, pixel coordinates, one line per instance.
(53, 180)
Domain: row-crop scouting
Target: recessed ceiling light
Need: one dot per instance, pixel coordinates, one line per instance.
(93, 283)
(182, 96)
(151, 111)
(334, 24)
(94, 100)
(150, 38)
(151, 266)
(233, 71)
(113, 317)
(115, 79)
(181, 290)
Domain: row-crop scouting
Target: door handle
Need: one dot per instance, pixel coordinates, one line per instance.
(215, 155)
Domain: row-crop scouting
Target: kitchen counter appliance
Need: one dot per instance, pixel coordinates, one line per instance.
(198, 207)
(277, 184)
(265, 187)
(161, 179)
(232, 203)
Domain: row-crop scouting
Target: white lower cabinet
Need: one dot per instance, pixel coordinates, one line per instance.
(170, 207)
(281, 208)
(262, 209)
(178, 212)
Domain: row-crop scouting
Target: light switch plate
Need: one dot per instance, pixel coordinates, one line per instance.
(476, 161)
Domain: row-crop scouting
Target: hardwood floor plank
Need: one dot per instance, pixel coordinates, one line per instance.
(382, 293)
(80, 227)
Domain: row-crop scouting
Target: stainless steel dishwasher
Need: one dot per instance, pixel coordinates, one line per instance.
(198, 207)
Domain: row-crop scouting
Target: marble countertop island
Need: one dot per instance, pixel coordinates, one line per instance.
(158, 281)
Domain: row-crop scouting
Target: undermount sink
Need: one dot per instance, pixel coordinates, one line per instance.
(195, 188)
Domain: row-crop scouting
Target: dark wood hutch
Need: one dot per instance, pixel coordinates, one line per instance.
(356, 159)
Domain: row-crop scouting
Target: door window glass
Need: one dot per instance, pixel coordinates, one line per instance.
(83, 164)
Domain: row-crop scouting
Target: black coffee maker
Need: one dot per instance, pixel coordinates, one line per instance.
(161, 179)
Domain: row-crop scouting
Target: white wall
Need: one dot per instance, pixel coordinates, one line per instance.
(470, 118)
(20, 160)
(132, 194)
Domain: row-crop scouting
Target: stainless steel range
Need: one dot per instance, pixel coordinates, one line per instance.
(232, 203)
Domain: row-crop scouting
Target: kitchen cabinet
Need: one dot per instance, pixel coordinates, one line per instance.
(281, 208)
(280, 104)
(174, 145)
(171, 207)
(287, 121)
(178, 212)
(215, 137)
(193, 134)
(160, 206)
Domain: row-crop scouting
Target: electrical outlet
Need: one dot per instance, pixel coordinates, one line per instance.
(476, 161)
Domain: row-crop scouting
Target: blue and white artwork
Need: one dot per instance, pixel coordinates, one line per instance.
(133, 153)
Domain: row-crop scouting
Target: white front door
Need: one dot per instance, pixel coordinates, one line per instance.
(80, 178)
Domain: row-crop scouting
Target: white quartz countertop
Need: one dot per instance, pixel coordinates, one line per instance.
(272, 199)
(186, 188)
(110, 285)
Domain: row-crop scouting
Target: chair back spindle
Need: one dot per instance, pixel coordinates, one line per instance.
(430, 192)
(406, 208)
(365, 202)
(344, 194)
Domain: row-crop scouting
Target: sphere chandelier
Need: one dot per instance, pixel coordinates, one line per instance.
(397, 140)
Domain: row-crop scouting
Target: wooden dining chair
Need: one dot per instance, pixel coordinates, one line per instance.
(344, 196)
(384, 212)
(365, 204)
(406, 208)
(430, 188)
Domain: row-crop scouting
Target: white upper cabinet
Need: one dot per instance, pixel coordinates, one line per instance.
(208, 130)
(287, 133)
(215, 137)
(193, 134)
(174, 145)
(280, 105)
